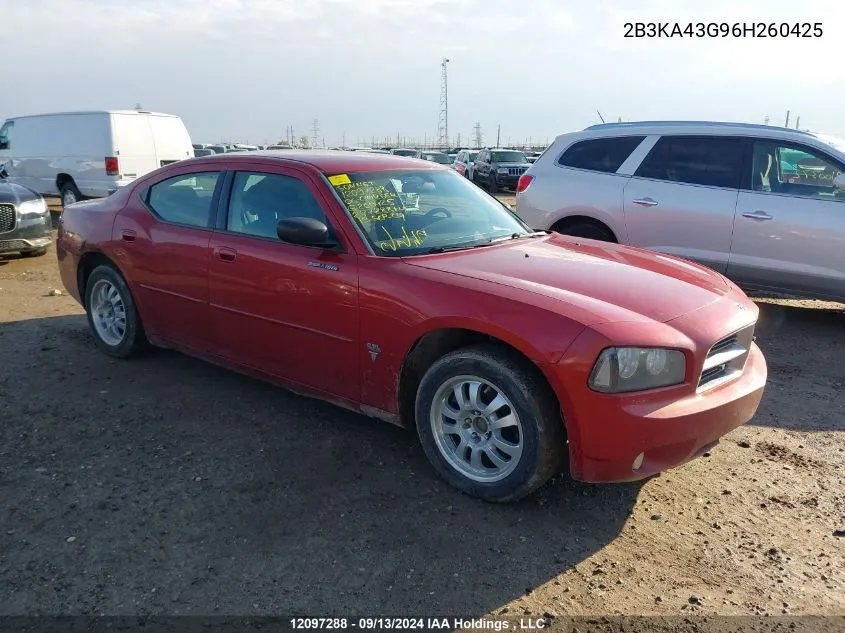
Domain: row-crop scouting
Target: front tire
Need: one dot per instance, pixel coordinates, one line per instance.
(589, 230)
(489, 423)
(112, 315)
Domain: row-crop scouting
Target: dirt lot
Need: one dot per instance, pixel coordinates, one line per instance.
(165, 485)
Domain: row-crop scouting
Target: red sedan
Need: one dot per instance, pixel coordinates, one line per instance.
(402, 291)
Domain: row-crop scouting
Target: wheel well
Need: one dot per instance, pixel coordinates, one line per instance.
(429, 347)
(571, 220)
(62, 180)
(87, 265)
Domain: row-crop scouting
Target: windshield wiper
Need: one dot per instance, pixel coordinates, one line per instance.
(517, 236)
(489, 242)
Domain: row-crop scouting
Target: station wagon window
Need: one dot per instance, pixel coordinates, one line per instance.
(184, 199)
(6, 134)
(713, 161)
(794, 170)
(605, 155)
(260, 200)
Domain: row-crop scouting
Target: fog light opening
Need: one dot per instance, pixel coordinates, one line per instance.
(638, 461)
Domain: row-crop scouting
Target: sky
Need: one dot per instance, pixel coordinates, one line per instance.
(244, 70)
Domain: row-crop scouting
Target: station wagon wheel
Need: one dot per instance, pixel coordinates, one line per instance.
(112, 315)
(489, 424)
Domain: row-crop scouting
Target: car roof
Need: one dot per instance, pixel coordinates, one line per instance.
(82, 112)
(699, 127)
(326, 161)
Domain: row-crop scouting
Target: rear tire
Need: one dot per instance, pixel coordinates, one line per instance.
(588, 230)
(112, 315)
(70, 193)
(462, 437)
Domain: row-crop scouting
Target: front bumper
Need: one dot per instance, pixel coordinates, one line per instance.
(628, 437)
(506, 180)
(27, 236)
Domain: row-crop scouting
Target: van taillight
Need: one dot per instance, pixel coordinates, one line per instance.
(523, 182)
(112, 168)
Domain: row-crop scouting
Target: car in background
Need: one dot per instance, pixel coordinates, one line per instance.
(278, 146)
(761, 204)
(217, 149)
(401, 151)
(203, 151)
(498, 169)
(532, 156)
(89, 154)
(437, 157)
(25, 223)
(513, 353)
(464, 162)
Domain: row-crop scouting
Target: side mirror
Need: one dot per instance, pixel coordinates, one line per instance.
(305, 232)
(839, 181)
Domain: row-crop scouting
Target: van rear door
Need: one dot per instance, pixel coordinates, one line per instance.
(133, 144)
(171, 139)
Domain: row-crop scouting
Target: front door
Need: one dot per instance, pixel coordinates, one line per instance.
(163, 236)
(681, 199)
(285, 310)
(790, 225)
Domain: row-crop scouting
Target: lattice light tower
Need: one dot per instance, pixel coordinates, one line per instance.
(443, 122)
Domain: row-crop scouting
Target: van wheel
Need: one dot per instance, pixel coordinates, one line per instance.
(70, 193)
(112, 315)
(489, 424)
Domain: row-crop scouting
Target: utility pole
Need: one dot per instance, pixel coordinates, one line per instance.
(443, 122)
(315, 133)
(766, 120)
(479, 139)
(343, 142)
(498, 134)
(797, 121)
(458, 144)
(787, 119)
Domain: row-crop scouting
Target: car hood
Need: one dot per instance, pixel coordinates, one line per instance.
(604, 282)
(12, 193)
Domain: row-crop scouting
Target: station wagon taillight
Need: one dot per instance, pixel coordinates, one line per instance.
(112, 167)
(524, 181)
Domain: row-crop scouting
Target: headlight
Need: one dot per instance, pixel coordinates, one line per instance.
(503, 170)
(32, 209)
(622, 369)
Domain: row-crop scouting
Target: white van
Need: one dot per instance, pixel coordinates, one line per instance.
(91, 154)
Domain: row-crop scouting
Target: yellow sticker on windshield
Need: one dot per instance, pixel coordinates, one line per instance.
(339, 179)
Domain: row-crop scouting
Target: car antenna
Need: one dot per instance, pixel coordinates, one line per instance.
(600, 116)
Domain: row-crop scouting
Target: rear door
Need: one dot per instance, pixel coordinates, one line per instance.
(790, 222)
(682, 197)
(164, 234)
(170, 138)
(133, 144)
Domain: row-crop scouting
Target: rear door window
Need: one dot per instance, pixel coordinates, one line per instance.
(605, 155)
(713, 161)
(185, 199)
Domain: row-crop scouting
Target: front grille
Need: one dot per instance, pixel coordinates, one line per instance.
(13, 245)
(517, 171)
(7, 217)
(726, 359)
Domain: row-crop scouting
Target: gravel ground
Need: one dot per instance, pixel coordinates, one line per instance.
(166, 485)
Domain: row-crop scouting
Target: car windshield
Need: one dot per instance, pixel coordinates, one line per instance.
(509, 157)
(472, 156)
(416, 212)
(405, 152)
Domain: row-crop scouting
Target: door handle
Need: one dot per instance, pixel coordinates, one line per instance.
(646, 202)
(757, 215)
(225, 254)
(127, 235)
